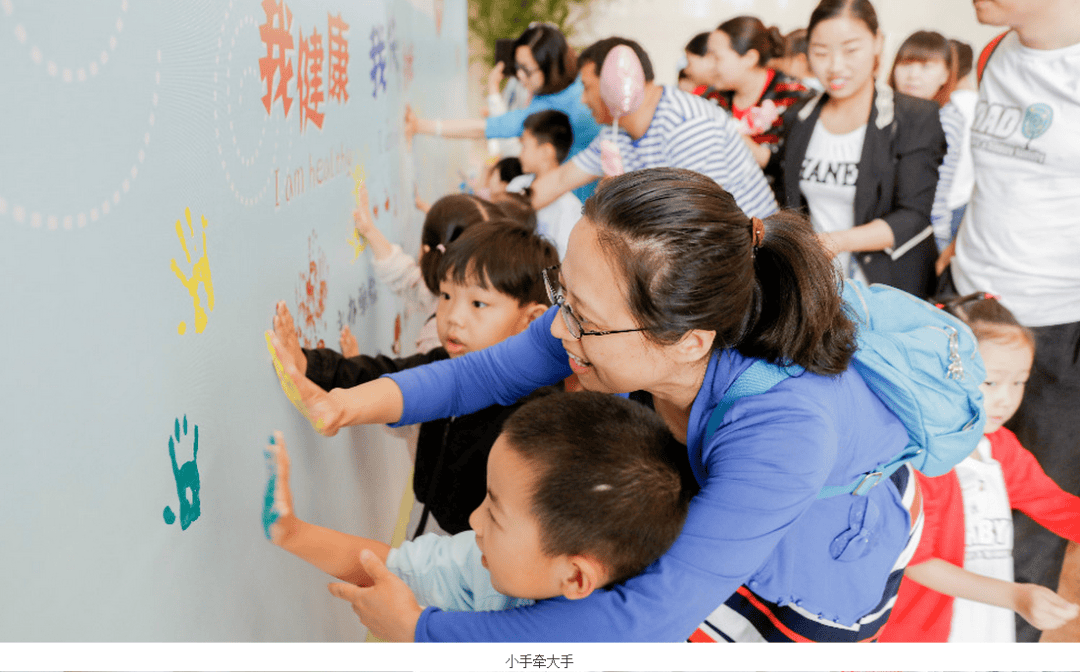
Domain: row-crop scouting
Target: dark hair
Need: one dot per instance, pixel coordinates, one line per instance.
(964, 58)
(596, 52)
(748, 32)
(698, 45)
(552, 54)
(831, 9)
(987, 318)
(608, 483)
(927, 45)
(517, 207)
(508, 168)
(684, 252)
(551, 127)
(504, 255)
(796, 42)
(445, 221)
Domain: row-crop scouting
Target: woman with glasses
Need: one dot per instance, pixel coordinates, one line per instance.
(545, 66)
(669, 291)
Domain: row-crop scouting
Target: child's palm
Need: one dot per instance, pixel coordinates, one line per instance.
(277, 502)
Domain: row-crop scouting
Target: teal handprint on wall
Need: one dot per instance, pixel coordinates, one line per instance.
(187, 478)
(1037, 119)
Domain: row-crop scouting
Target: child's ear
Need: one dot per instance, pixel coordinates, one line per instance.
(585, 575)
(535, 310)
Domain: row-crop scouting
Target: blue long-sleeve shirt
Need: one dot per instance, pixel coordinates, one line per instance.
(756, 521)
(567, 101)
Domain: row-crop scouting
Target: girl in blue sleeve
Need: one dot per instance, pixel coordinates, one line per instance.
(670, 291)
(545, 66)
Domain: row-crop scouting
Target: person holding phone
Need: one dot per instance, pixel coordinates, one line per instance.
(545, 66)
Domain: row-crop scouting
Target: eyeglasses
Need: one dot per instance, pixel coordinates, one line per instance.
(573, 325)
(518, 67)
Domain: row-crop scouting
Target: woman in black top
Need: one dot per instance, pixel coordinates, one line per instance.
(863, 160)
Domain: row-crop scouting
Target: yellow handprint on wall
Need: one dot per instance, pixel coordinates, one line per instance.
(200, 274)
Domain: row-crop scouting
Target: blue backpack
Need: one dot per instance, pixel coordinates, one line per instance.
(922, 362)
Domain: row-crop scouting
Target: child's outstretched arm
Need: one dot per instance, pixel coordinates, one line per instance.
(334, 552)
(365, 225)
(1038, 605)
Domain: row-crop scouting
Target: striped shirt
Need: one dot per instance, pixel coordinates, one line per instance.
(952, 122)
(692, 133)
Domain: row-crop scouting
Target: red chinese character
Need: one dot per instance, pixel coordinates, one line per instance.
(309, 82)
(339, 57)
(275, 33)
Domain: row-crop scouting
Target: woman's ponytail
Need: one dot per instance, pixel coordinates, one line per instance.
(798, 315)
(691, 259)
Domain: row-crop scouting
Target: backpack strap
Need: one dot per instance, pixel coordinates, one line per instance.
(987, 52)
(866, 482)
(760, 377)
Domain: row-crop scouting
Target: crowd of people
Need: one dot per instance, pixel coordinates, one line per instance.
(585, 467)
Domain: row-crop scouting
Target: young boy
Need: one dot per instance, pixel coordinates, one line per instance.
(583, 491)
(545, 143)
(491, 289)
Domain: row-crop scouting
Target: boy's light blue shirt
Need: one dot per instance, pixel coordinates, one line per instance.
(446, 572)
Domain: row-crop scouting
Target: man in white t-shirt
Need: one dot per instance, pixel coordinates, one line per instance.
(1021, 236)
(671, 128)
(545, 143)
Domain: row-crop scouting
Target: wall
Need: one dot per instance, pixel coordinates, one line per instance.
(165, 178)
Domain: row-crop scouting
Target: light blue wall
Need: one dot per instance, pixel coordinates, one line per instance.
(116, 117)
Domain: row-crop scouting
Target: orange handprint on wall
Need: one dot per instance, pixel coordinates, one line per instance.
(200, 273)
(311, 295)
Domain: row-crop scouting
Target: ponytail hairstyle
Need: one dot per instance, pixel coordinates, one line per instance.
(445, 221)
(748, 32)
(964, 58)
(925, 45)
(987, 318)
(687, 260)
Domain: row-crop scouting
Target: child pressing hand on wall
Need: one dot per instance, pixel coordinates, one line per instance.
(583, 491)
(966, 546)
(416, 282)
(490, 289)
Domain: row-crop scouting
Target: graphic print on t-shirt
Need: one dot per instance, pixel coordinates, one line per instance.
(824, 171)
(994, 123)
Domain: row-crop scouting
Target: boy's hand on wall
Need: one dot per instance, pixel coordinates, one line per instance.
(388, 608)
(289, 349)
(277, 502)
(1042, 607)
(411, 123)
(349, 346)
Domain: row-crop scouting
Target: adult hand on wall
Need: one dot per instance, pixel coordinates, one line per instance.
(388, 608)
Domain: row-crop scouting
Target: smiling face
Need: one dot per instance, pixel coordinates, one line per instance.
(843, 54)
(594, 291)
(508, 533)
(922, 79)
(470, 317)
(1008, 364)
